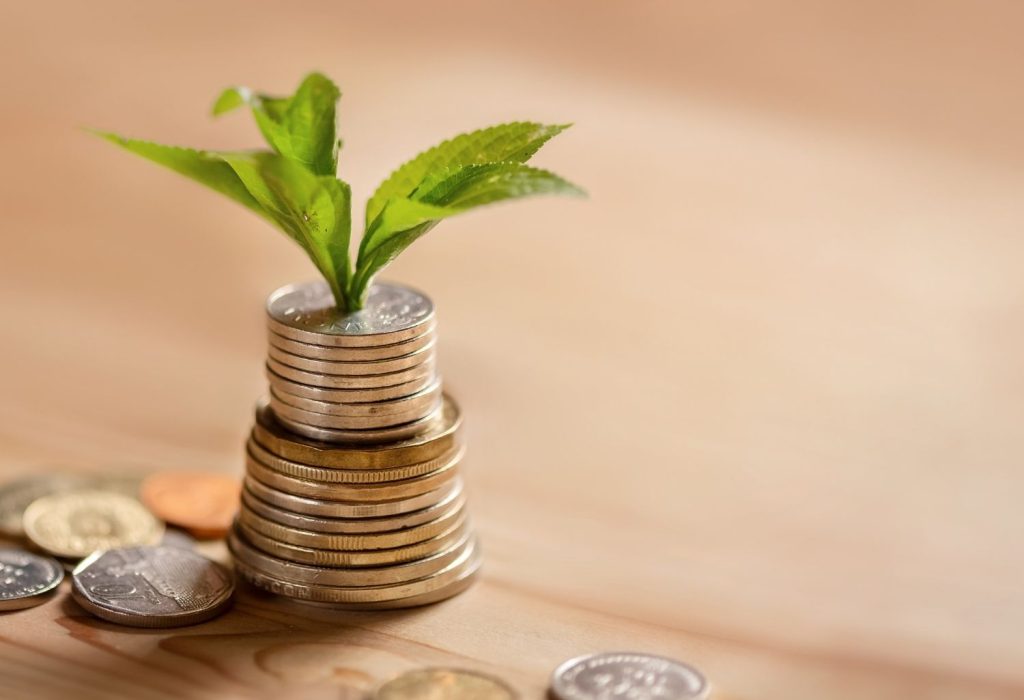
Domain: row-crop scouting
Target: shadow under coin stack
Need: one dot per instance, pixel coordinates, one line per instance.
(352, 495)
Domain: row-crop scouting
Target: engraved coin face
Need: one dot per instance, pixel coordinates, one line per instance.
(627, 675)
(391, 310)
(27, 579)
(77, 523)
(16, 496)
(152, 586)
(445, 684)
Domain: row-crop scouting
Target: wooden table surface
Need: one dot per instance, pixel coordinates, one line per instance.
(757, 404)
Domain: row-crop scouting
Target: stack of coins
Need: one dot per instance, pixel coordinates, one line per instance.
(352, 495)
(363, 377)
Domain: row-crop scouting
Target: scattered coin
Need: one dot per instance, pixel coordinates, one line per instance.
(27, 579)
(200, 502)
(15, 496)
(445, 684)
(77, 523)
(173, 537)
(627, 675)
(152, 586)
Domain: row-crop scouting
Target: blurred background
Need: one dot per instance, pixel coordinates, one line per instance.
(764, 389)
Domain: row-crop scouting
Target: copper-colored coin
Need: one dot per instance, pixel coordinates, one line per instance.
(199, 502)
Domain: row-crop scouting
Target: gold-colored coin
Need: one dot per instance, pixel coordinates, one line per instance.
(16, 496)
(351, 526)
(364, 381)
(346, 476)
(378, 435)
(406, 488)
(350, 369)
(351, 509)
(291, 572)
(340, 542)
(422, 400)
(464, 567)
(329, 557)
(353, 354)
(439, 439)
(445, 684)
(77, 523)
(315, 393)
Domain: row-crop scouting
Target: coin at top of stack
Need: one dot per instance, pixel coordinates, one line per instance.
(366, 376)
(373, 526)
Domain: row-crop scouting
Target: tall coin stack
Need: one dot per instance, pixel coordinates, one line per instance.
(352, 495)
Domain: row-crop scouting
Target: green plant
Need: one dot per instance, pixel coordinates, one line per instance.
(294, 185)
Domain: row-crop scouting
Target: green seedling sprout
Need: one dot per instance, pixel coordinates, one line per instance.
(294, 184)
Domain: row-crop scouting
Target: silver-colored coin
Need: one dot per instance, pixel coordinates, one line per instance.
(376, 435)
(291, 572)
(27, 579)
(349, 509)
(365, 381)
(152, 586)
(335, 354)
(346, 422)
(385, 393)
(464, 566)
(306, 312)
(351, 526)
(627, 675)
(371, 493)
(426, 397)
(350, 369)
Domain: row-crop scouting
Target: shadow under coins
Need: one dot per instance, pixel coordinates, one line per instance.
(263, 647)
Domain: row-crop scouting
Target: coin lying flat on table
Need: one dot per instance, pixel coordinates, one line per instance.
(16, 496)
(445, 684)
(199, 502)
(27, 579)
(152, 586)
(77, 523)
(438, 439)
(632, 675)
(307, 312)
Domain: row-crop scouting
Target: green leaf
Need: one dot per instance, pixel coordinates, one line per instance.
(302, 127)
(202, 166)
(515, 141)
(315, 210)
(403, 220)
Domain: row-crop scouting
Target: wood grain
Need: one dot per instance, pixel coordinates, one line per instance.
(755, 405)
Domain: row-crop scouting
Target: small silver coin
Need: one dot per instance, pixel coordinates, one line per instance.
(306, 312)
(156, 586)
(27, 579)
(627, 675)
